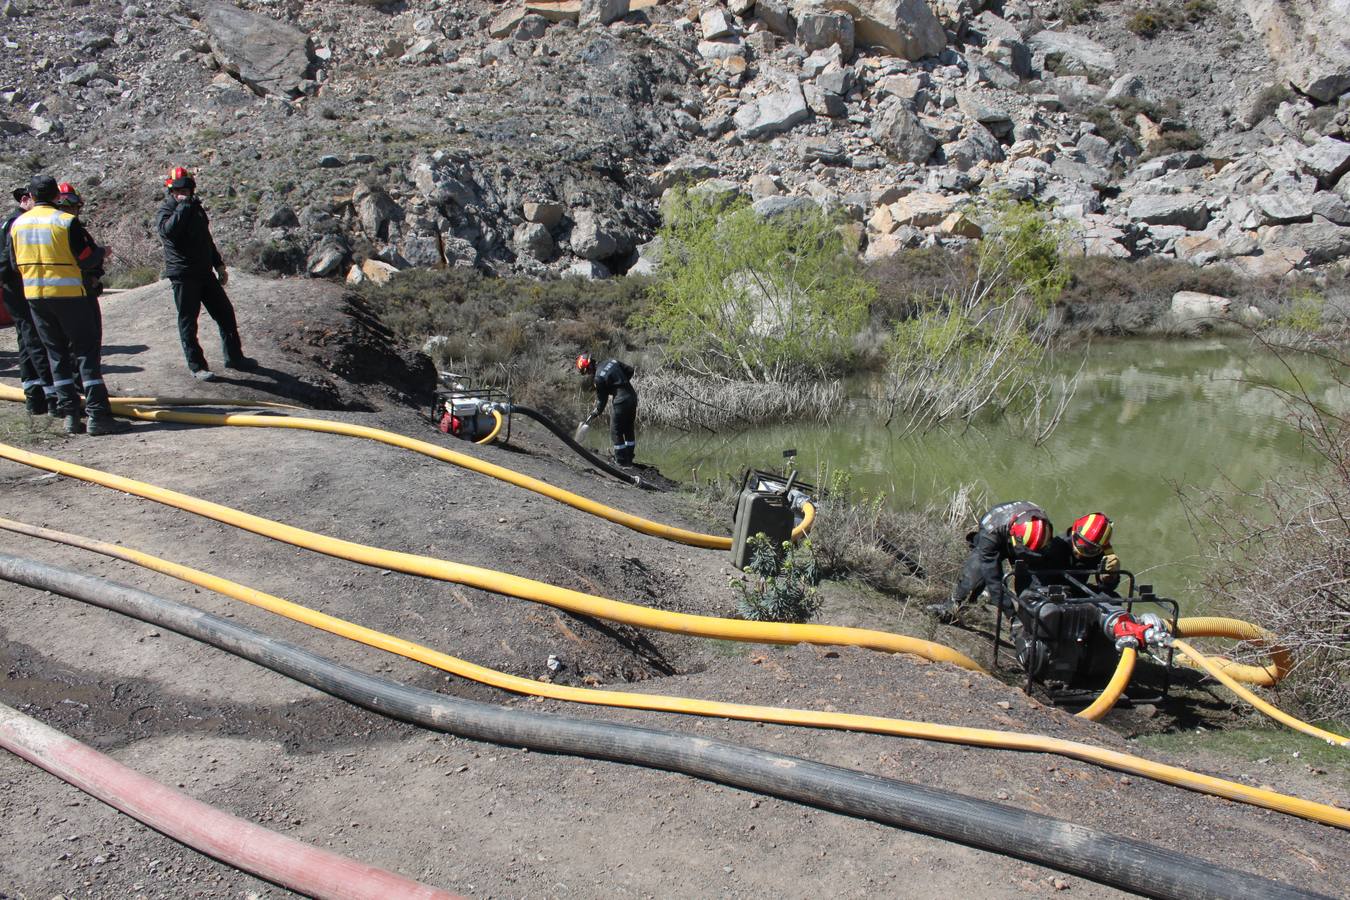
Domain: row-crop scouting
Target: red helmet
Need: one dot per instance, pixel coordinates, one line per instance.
(1090, 534)
(69, 197)
(176, 173)
(1029, 533)
(585, 365)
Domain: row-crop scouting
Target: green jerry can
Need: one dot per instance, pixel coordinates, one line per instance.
(764, 507)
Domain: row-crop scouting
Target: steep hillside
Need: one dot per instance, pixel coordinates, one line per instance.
(539, 139)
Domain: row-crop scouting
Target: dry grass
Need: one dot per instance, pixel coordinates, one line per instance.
(676, 400)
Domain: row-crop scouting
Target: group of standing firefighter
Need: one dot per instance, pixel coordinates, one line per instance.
(51, 273)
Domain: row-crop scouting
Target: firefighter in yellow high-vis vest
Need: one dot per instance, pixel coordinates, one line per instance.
(50, 248)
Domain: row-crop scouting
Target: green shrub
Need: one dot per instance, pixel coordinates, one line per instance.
(1173, 142)
(742, 297)
(1304, 314)
(1268, 100)
(779, 584)
(1076, 12)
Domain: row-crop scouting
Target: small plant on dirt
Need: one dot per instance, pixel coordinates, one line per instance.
(138, 276)
(779, 585)
(1076, 12)
(741, 297)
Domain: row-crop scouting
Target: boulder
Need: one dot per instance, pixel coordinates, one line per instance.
(923, 209)
(899, 132)
(775, 207)
(1073, 53)
(1332, 207)
(591, 240)
(1323, 240)
(1129, 86)
(602, 12)
(327, 257)
(776, 17)
(533, 240)
(722, 50)
(905, 28)
(957, 225)
(817, 30)
(1186, 210)
(1273, 263)
(909, 88)
(376, 210)
(376, 272)
(1199, 249)
(1192, 306)
(834, 80)
(531, 28)
(978, 145)
(543, 212)
(1283, 207)
(270, 57)
(1326, 83)
(505, 22)
(713, 21)
(588, 269)
(555, 10)
(772, 113)
(1327, 160)
(1011, 54)
(1096, 151)
(824, 103)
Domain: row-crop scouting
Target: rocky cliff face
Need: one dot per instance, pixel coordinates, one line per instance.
(335, 138)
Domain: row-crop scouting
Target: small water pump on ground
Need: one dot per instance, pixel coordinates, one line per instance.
(766, 505)
(466, 412)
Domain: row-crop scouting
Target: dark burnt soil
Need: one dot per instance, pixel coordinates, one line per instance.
(481, 819)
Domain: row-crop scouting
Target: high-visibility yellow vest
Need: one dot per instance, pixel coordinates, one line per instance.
(42, 254)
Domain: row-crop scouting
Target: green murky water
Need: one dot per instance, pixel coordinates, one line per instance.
(1148, 417)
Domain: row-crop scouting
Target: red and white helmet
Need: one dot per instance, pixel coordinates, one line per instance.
(585, 365)
(1029, 533)
(1090, 534)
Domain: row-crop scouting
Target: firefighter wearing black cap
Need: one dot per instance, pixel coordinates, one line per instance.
(195, 268)
(1010, 531)
(614, 379)
(50, 248)
(35, 369)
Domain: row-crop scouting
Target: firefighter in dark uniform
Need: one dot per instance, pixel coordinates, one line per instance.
(35, 370)
(614, 379)
(1010, 531)
(197, 272)
(51, 250)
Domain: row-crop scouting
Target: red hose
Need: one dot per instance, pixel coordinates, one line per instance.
(251, 848)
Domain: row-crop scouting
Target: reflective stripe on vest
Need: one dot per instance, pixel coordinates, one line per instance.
(42, 254)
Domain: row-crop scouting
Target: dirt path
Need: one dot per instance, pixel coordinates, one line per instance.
(476, 818)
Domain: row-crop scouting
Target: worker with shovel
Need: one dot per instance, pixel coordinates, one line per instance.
(613, 379)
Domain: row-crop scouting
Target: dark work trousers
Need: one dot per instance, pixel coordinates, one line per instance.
(71, 329)
(34, 369)
(189, 296)
(622, 425)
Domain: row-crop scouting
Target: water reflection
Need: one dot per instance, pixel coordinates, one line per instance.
(1148, 417)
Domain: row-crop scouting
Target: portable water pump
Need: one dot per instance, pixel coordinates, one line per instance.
(765, 506)
(466, 412)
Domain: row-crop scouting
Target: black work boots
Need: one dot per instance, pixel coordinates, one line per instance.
(97, 426)
(35, 402)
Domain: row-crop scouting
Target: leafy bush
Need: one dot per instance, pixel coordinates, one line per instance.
(740, 297)
(779, 584)
(981, 349)
(1304, 314)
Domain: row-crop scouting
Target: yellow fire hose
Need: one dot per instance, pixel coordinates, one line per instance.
(576, 501)
(1215, 626)
(1120, 680)
(979, 737)
(503, 583)
(497, 419)
(1219, 672)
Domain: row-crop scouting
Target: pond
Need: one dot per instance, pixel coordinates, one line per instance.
(1149, 416)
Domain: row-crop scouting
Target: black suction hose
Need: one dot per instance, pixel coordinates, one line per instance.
(584, 453)
(1121, 862)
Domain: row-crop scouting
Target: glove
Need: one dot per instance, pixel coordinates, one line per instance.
(223, 276)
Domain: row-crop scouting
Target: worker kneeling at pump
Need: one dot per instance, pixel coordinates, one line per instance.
(614, 379)
(1019, 530)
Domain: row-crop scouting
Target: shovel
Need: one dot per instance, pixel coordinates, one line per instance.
(581, 432)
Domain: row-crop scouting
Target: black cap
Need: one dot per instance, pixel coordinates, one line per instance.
(184, 183)
(43, 189)
(19, 194)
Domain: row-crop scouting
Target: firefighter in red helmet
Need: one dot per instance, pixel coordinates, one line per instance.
(1010, 531)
